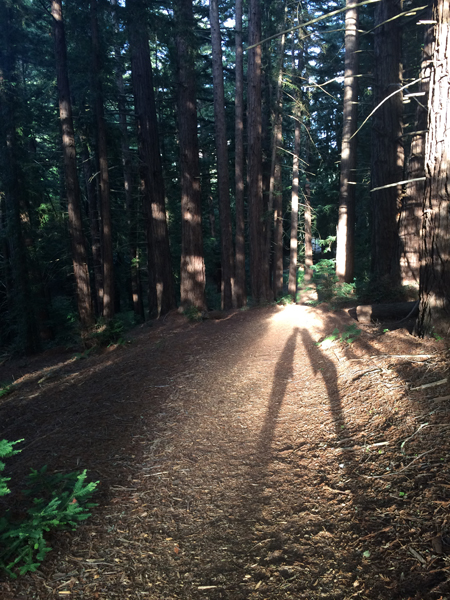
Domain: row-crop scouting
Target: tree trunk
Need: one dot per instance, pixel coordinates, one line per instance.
(79, 254)
(226, 242)
(192, 262)
(293, 245)
(94, 223)
(161, 293)
(102, 152)
(387, 147)
(434, 292)
(412, 201)
(239, 280)
(308, 234)
(260, 287)
(346, 223)
(275, 186)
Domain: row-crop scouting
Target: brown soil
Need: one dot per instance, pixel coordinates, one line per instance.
(239, 459)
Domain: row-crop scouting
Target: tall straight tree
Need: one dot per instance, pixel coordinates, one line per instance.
(259, 263)
(102, 152)
(275, 184)
(387, 146)
(239, 278)
(79, 254)
(346, 223)
(226, 241)
(192, 272)
(161, 288)
(434, 293)
(412, 202)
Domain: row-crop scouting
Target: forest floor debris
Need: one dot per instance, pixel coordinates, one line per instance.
(239, 459)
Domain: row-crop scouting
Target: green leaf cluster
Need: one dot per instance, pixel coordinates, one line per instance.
(56, 501)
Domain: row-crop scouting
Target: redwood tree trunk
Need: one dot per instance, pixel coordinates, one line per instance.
(259, 263)
(412, 201)
(161, 293)
(102, 152)
(239, 281)
(79, 254)
(346, 224)
(387, 147)
(434, 308)
(192, 263)
(226, 242)
(275, 186)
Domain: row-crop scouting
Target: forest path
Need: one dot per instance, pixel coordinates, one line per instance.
(232, 457)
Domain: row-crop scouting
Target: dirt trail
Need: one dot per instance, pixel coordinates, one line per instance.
(238, 459)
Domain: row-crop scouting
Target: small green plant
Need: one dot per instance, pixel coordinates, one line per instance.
(349, 335)
(324, 276)
(284, 300)
(192, 313)
(6, 389)
(58, 501)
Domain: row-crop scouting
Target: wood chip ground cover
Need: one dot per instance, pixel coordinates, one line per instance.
(239, 459)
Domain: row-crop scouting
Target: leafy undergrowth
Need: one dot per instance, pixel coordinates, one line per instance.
(239, 459)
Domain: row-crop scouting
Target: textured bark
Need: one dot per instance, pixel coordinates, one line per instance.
(226, 242)
(161, 288)
(102, 153)
(434, 292)
(293, 238)
(239, 280)
(411, 215)
(259, 263)
(275, 186)
(192, 288)
(79, 254)
(346, 223)
(387, 147)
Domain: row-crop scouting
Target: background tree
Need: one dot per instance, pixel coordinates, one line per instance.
(434, 309)
(346, 222)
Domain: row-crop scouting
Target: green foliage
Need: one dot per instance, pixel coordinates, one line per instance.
(324, 276)
(59, 501)
(349, 335)
(107, 333)
(284, 300)
(6, 389)
(192, 313)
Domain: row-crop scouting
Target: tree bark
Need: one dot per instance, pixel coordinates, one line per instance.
(226, 242)
(434, 291)
(293, 244)
(239, 280)
(387, 147)
(346, 223)
(102, 153)
(275, 186)
(412, 201)
(79, 254)
(161, 288)
(259, 263)
(192, 263)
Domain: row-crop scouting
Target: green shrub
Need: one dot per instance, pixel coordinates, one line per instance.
(324, 276)
(58, 501)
